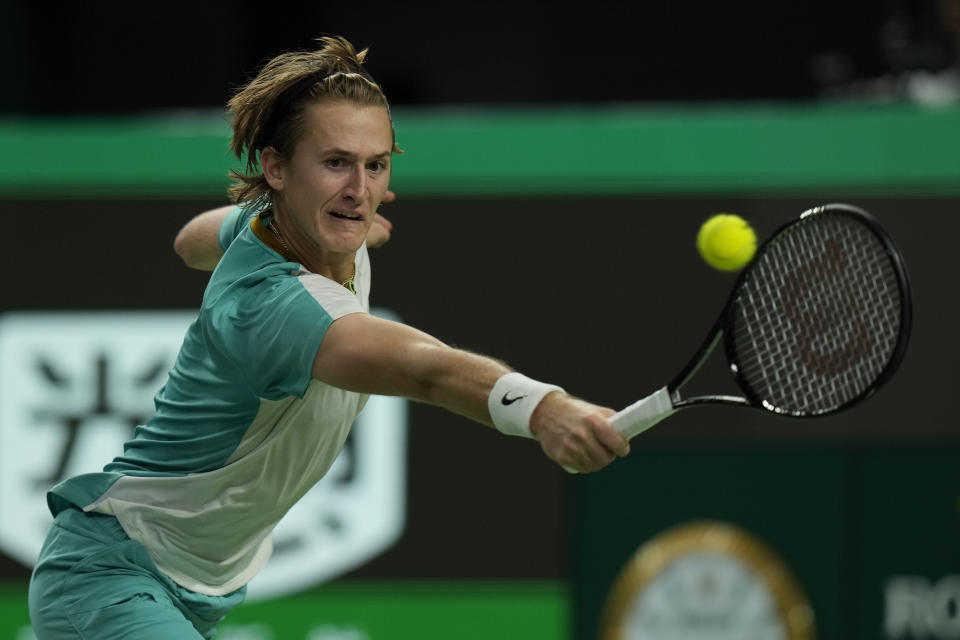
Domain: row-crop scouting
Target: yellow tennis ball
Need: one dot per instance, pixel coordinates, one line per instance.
(726, 242)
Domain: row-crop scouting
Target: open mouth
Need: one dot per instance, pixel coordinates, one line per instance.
(346, 216)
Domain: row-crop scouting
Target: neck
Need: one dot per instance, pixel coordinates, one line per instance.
(339, 267)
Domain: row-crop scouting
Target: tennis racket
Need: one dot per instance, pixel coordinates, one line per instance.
(816, 322)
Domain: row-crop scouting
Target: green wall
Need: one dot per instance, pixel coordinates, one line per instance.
(393, 610)
(615, 149)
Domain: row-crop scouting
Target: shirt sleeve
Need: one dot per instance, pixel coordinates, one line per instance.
(272, 337)
(232, 225)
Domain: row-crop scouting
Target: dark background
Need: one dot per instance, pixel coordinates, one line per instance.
(609, 309)
(113, 57)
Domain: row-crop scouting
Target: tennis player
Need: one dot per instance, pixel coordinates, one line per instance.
(272, 374)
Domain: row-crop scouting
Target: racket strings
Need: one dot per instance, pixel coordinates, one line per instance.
(818, 317)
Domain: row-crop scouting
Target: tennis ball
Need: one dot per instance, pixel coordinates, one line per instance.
(726, 242)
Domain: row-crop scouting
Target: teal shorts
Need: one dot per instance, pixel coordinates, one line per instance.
(91, 581)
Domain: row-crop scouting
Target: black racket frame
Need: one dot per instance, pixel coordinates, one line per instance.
(721, 327)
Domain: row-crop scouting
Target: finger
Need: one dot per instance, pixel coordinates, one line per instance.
(574, 455)
(593, 456)
(601, 442)
(600, 456)
(379, 219)
(613, 440)
(389, 196)
(579, 464)
(378, 235)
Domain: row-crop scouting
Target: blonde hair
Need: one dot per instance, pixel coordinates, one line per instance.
(269, 110)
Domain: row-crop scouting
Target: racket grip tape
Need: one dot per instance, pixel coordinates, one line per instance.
(643, 413)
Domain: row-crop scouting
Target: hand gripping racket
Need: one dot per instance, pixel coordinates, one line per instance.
(817, 322)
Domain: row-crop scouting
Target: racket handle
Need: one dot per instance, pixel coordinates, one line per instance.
(641, 415)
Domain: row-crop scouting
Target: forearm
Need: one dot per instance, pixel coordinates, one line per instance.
(458, 380)
(197, 243)
(366, 354)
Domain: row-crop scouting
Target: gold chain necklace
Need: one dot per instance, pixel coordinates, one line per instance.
(348, 283)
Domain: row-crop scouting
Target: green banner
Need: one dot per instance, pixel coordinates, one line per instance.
(374, 610)
(632, 149)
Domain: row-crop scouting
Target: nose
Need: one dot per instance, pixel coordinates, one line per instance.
(356, 186)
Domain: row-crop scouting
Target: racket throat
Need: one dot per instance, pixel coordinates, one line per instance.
(680, 403)
(699, 358)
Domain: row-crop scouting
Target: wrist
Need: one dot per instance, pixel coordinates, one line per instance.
(512, 401)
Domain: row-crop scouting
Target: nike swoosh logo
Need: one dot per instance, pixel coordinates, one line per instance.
(507, 401)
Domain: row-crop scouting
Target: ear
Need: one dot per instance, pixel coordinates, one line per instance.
(272, 164)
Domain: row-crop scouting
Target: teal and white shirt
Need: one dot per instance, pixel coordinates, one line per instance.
(241, 431)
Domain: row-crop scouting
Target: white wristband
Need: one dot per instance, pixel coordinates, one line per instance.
(512, 401)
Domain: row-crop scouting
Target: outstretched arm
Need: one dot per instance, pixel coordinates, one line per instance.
(370, 355)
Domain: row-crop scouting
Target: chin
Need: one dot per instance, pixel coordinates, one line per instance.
(346, 245)
(342, 240)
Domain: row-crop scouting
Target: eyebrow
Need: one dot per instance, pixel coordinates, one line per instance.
(352, 155)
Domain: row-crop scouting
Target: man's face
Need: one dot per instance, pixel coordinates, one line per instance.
(338, 174)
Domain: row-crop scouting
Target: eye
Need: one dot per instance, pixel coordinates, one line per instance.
(334, 163)
(377, 166)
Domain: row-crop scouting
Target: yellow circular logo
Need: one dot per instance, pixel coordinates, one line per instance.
(706, 581)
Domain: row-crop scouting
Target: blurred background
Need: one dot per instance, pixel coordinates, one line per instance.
(558, 164)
